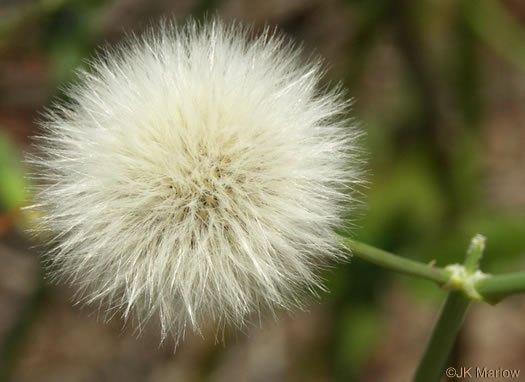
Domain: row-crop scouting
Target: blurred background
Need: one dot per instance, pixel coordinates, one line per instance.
(439, 86)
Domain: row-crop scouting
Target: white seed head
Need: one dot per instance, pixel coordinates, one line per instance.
(196, 175)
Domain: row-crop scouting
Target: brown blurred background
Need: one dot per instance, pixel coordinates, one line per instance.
(439, 86)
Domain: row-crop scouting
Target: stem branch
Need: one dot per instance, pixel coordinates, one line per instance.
(442, 338)
(467, 282)
(449, 323)
(492, 288)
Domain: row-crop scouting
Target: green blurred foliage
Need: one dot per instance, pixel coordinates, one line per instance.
(424, 198)
(359, 330)
(12, 182)
(70, 37)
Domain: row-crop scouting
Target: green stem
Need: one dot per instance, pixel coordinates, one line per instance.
(442, 338)
(397, 263)
(445, 331)
(492, 288)
(499, 286)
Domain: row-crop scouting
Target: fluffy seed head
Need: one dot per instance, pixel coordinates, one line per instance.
(196, 175)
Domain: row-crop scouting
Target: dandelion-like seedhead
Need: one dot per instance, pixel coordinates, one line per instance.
(196, 175)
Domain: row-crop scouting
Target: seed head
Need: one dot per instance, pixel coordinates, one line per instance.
(196, 175)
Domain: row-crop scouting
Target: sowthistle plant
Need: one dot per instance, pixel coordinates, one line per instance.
(198, 175)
